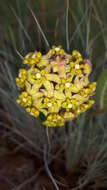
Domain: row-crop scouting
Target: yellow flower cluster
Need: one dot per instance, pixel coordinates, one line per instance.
(32, 58)
(56, 85)
(20, 80)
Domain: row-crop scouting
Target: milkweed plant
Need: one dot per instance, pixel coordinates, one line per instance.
(55, 84)
(55, 88)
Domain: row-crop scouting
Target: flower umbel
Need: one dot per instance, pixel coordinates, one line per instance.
(55, 84)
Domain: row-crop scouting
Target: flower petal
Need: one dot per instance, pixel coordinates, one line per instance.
(53, 77)
(38, 103)
(49, 87)
(68, 116)
(59, 95)
(43, 62)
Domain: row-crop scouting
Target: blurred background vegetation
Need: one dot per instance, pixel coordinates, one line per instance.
(23, 25)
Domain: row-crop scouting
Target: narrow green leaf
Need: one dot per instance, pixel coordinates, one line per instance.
(101, 91)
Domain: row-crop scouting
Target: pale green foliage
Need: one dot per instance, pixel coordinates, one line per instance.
(86, 152)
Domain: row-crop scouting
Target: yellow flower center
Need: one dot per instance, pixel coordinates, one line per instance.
(57, 49)
(67, 84)
(69, 105)
(38, 75)
(77, 66)
(49, 104)
(24, 100)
